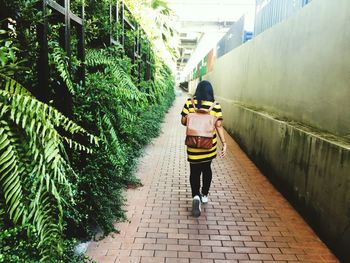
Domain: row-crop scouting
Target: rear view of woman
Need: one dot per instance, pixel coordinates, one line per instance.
(200, 159)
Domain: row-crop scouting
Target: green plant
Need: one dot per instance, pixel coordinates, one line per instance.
(61, 62)
(113, 107)
(43, 202)
(19, 244)
(34, 171)
(23, 18)
(9, 63)
(158, 20)
(101, 107)
(98, 24)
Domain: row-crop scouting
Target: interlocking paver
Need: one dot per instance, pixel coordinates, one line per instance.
(246, 220)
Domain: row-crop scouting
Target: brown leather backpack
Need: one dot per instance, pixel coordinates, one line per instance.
(200, 128)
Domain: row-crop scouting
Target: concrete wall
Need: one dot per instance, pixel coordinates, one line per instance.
(299, 69)
(311, 171)
(286, 100)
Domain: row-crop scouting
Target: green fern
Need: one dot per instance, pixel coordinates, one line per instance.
(98, 57)
(61, 63)
(130, 99)
(113, 147)
(34, 178)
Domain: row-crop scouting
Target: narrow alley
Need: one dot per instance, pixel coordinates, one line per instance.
(246, 219)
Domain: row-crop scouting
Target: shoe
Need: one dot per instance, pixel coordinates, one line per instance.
(204, 199)
(196, 206)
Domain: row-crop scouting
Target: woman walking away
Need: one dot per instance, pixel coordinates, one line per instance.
(200, 159)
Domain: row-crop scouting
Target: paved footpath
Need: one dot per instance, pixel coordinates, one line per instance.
(246, 219)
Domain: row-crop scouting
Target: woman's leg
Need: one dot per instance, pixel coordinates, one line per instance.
(207, 177)
(195, 175)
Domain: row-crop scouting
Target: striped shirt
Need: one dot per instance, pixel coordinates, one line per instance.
(195, 155)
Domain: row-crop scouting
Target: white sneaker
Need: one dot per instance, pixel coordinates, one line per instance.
(196, 206)
(204, 199)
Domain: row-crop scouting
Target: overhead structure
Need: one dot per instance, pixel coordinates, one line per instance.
(201, 24)
(192, 33)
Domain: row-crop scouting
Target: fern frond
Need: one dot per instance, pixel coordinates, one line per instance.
(33, 172)
(61, 64)
(43, 117)
(10, 169)
(12, 86)
(112, 145)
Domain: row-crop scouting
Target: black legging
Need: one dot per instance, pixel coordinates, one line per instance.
(196, 169)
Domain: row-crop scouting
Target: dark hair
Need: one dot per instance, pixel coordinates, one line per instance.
(204, 91)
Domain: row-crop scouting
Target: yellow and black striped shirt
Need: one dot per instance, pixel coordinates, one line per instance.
(195, 155)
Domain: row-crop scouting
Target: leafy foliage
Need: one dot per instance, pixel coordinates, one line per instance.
(33, 170)
(16, 242)
(9, 62)
(61, 63)
(159, 22)
(97, 23)
(112, 106)
(23, 18)
(48, 195)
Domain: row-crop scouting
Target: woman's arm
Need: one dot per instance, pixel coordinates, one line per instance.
(221, 134)
(183, 120)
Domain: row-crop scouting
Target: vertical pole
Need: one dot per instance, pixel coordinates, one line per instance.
(110, 23)
(67, 27)
(68, 100)
(140, 55)
(117, 11)
(43, 63)
(147, 63)
(63, 95)
(62, 19)
(117, 19)
(81, 47)
(134, 46)
(123, 24)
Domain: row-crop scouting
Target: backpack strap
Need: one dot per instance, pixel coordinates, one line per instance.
(212, 106)
(193, 104)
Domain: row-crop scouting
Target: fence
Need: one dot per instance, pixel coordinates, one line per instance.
(61, 14)
(118, 11)
(271, 12)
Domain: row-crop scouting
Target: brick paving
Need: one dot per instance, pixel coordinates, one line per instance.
(246, 219)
